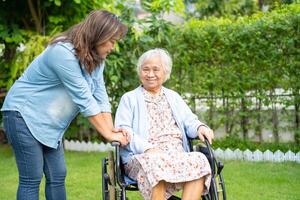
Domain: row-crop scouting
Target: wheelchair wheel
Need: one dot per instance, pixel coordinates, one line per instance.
(221, 187)
(217, 185)
(109, 189)
(216, 190)
(105, 179)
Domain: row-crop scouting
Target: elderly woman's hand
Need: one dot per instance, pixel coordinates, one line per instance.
(204, 131)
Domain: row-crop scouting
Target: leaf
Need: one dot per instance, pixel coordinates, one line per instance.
(57, 2)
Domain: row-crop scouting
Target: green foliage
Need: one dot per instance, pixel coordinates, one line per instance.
(218, 8)
(235, 142)
(24, 55)
(233, 8)
(158, 6)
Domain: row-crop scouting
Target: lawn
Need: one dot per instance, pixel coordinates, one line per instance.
(244, 180)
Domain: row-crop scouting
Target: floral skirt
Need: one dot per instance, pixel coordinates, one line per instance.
(174, 167)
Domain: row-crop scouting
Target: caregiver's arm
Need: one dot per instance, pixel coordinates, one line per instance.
(104, 125)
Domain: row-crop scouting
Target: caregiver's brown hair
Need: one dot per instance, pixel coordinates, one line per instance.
(98, 27)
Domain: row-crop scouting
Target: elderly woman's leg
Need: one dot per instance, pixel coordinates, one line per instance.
(159, 191)
(192, 190)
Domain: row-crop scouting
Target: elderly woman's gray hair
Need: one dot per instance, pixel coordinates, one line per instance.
(164, 57)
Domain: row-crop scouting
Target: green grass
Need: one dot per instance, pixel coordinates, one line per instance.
(244, 180)
(262, 181)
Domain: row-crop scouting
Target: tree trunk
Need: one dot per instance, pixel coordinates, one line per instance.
(228, 113)
(80, 133)
(260, 4)
(275, 124)
(297, 117)
(193, 103)
(35, 13)
(275, 120)
(244, 119)
(258, 127)
(2, 92)
(225, 108)
(211, 110)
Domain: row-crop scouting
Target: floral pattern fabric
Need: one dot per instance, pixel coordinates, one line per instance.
(172, 164)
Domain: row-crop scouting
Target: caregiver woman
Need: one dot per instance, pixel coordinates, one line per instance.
(65, 79)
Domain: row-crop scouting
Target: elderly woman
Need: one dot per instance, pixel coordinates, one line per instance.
(160, 123)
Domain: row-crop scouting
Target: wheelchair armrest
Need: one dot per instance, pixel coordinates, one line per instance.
(120, 180)
(208, 153)
(197, 138)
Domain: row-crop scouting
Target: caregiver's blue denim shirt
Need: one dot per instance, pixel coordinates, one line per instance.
(53, 90)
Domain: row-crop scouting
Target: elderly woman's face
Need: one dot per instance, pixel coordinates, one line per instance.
(152, 74)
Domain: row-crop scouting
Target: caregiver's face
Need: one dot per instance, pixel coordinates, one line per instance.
(105, 48)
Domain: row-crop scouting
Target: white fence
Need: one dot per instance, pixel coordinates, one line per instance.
(277, 156)
(86, 146)
(227, 154)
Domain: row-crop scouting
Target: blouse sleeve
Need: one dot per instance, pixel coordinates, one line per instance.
(100, 93)
(124, 119)
(189, 119)
(66, 66)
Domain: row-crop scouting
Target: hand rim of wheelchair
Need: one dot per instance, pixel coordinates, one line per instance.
(216, 190)
(217, 180)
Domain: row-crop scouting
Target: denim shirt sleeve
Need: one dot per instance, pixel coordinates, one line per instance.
(125, 119)
(66, 66)
(100, 93)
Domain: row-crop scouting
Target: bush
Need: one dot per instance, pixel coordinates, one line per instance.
(235, 142)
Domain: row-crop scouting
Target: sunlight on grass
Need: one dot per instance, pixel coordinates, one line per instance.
(244, 180)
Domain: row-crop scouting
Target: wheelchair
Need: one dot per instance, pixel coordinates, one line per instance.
(115, 183)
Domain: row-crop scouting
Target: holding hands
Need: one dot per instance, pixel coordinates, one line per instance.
(121, 135)
(204, 131)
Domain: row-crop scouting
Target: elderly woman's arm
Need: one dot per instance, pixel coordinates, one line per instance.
(124, 119)
(192, 125)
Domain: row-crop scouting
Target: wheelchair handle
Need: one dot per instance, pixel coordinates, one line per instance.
(205, 141)
(115, 143)
(208, 146)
